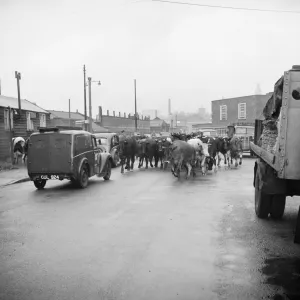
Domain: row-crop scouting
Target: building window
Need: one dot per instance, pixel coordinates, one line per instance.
(6, 119)
(242, 110)
(42, 120)
(29, 122)
(223, 112)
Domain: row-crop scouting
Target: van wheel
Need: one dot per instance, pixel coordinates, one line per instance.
(83, 177)
(40, 183)
(108, 171)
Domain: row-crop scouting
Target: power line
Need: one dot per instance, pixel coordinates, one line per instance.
(228, 7)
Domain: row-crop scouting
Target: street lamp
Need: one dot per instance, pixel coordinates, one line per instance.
(90, 101)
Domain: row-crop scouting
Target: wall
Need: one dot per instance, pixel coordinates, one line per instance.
(19, 129)
(117, 124)
(62, 122)
(254, 108)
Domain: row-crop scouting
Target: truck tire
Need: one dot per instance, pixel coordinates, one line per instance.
(40, 183)
(262, 201)
(108, 170)
(83, 179)
(277, 206)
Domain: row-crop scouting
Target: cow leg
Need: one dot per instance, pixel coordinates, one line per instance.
(241, 158)
(215, 165)
(156, 158)
(189, 169)
(146, 158)
(236, 162)
(161, 162)
(203, 165)
(132, 162)
(150, 161)
(122, 165)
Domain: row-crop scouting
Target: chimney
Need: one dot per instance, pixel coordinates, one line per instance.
(77, 110)
(119, 114)
(156, 112)
(114, 113)
(100, 113)
(124, 115)
(169, 108)
(108, 112)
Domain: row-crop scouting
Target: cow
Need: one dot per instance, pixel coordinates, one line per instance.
(221, 149)
(201, 153)
(234, 150)
(159, 153)
(151, 147)
(182, 155)
(212, 152)
(18, 148)
(25, 150)
(141, 151)
(128, 151)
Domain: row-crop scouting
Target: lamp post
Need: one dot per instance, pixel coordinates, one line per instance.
(90, 102)
(84, 81)
(18, 77)
(135, 114)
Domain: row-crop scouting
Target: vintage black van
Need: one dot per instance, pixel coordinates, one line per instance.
(66, 154)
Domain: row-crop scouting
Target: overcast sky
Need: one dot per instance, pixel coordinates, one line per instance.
(189, 54)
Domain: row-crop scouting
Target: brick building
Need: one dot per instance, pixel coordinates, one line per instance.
(237, 111)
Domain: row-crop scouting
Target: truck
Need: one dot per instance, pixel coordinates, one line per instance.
(277, 167)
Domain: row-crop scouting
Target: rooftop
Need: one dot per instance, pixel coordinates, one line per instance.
(25, 104)
(65, 115)
(243, 97)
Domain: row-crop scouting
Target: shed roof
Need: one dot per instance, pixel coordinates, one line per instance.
(65, 115)
(25, 104)
(157, 122)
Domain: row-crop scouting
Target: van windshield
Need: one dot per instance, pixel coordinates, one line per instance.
(104, 141)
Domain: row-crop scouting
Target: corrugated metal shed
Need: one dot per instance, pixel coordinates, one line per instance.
(25, 104)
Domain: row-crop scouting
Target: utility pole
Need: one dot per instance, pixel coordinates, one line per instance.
(90, 104)
(11, 137)
(85, 116)
(69, 112)
(0, 88)
(18, 76)
(135, 119)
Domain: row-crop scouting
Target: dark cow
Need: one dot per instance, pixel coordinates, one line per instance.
(141, 151)
(234, 150)
(221, 149)
(128, 151)
(159, 152)
(182, 155)
(151, 147)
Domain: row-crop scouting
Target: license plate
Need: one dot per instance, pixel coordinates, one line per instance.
(53, 177)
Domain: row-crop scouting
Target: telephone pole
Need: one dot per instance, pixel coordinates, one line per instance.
(85, 116)
(18, 76)
(70, 112)
(135, 119)
(90, 104)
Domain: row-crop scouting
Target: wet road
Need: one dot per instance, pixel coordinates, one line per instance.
(146, 235)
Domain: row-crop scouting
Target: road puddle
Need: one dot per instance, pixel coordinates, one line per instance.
(284, 273)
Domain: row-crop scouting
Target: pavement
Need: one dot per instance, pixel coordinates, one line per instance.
(146, 235)
(17, 175)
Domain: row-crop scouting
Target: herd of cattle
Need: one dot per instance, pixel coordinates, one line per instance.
(181, 151)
